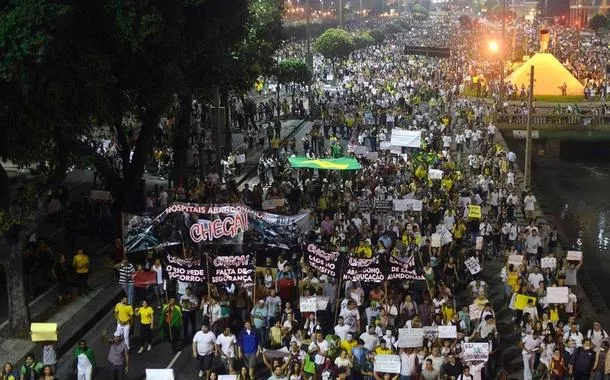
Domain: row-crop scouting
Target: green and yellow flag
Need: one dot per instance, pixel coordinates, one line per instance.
(343, 163)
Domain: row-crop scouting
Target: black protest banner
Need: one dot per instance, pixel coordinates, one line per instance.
(324, 262)
(403, 269)
(365, 270)
(234, 268)
(383, 205)
(185, 270)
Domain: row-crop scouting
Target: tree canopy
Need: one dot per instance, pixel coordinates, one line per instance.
(293, 70)
(334, 43)
(597, 22)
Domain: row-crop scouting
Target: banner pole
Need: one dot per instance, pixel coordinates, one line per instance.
(207, 268)
(425, 279)
(337, 301)
(169, 325)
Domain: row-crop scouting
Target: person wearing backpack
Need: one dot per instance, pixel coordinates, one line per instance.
(597, 335)
(31, 369)
(582, 362)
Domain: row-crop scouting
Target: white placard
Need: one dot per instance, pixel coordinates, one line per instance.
(385, 145)
(435, 174)
(430, 332)
(417, 205)
(402, 204)
(360, 150)
(475, 310)
(227, 377)
(160, 374)
(475, 352)
(308, 305)
(387, 363)
(406, 138)
(410, 338)
(435, 240)
(372, 156)
(240, 159)
(465, 201)
(396, 150)
(574, 256)
(473, 265)
(557, 294)
(516, 260)
(447, 332)
(479, 243)
(548, 262)
(313, 304)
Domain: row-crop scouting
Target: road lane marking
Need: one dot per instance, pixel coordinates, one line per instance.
(174, 359)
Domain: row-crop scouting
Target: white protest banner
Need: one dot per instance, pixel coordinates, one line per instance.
(479, 243)
(272, 204)
(417, 205)
(372, 156)
(240, 159)
(406, 138)
(385, 145)
(430, 332)
(402, 204)
(548, 262)
(557, 294)
(227, 377)
(160, 374)
(360, 150)
(435, 240)
(473, 265)
(447, 332)
(410, 338)
(308, 305)
(516, 260)
(435, 174)
(574, 256)
(281, 353)
(475, 352)
(475, 310)
(387, 363)
(396, 150)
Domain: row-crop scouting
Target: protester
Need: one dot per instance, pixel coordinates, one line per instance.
(84, 361)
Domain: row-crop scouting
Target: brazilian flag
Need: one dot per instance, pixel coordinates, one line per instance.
(423, 158)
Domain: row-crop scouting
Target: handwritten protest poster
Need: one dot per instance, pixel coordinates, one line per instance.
(473, 265)
(557, 294)
(430, 332)
(475, 352)
(410, 338)
(435, 240)
(516, 260)
(387, 364)
(159, 374)
(474, 211)
(475, 310)
(418, 205)
(548, 262)
(447, 332)
(574, 256)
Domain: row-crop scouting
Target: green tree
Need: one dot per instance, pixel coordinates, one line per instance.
(392, 28)
(293, 70)
(597, 22)
(334, 43)
(363, 40)
(377, 34)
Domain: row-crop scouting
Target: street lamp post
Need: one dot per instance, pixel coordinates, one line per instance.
(501, 51)
(308, 56)
(528, 142)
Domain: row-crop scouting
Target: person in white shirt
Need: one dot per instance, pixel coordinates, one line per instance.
(204, 346)
(535, 278)
(574, 335)
(529, 202)
(225, 348)
(341, 329)
(408, 363)
(597, 334)
(531, 345)
(370, 338)
(318, 347)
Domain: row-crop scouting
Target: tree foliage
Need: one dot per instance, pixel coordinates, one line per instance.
(363, 40)
(334, 43)
(293, 70)
(377, 34)
(597, 22)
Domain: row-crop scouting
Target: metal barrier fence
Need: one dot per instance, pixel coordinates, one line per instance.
(565, 119)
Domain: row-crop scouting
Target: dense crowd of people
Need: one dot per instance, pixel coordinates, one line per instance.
(259, 331)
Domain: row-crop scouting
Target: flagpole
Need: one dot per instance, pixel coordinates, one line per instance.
(425, 279)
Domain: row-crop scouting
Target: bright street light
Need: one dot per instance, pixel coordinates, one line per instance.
(493, 46)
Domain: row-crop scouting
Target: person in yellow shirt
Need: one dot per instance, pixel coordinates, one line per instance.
(80, 263)
(146, 314)
(348, 343)
(384, 347)
(123, 313)
(458, 231)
